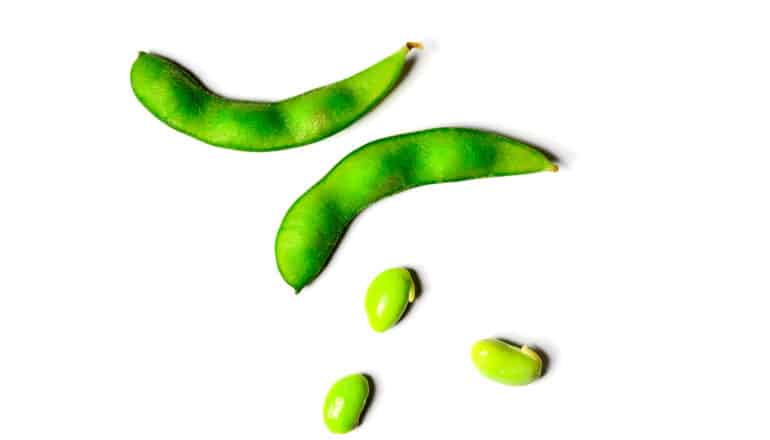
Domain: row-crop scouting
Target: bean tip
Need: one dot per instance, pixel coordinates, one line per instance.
(554, 167)
(413, 45)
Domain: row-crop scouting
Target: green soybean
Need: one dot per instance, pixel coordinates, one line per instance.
(505, 363)
(387, 298)
(345, 402)
(316, 221)
(179, 99)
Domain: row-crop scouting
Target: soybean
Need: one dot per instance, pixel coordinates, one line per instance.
(179, 99)
(314, 224)
(345, 402)
(387, 298)
(505, 363)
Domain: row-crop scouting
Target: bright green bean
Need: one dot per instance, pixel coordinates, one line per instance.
(345, 402)
(314, 224)
(176, 97)
(387, 298)
(505, 363)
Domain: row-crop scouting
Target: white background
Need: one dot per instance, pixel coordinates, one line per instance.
(139, 297)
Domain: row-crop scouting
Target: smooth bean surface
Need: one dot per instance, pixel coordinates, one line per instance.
(316, 221)
(387, 298)
(179, 99)
(505, 363)
(345, 402)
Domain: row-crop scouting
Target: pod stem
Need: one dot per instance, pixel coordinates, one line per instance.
(413, 45)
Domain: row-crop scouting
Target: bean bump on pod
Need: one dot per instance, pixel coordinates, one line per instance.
(176, 97)
(314, 224)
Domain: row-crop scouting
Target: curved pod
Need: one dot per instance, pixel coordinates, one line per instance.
(314, 224)
(176, 97)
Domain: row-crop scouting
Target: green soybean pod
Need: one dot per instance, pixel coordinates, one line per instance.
(387, 298)
(314, 224)
(345, 402)
(505, 363)
(179, 99)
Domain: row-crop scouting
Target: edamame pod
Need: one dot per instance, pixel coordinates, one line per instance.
(316, 221)
(387, 298)
(176, 97)
(345, 402)
(505, 363)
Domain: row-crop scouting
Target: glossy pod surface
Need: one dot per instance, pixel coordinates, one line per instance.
(387, 298)
(505, 363)
(176, 97)
(345, 402)
(316, 221)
